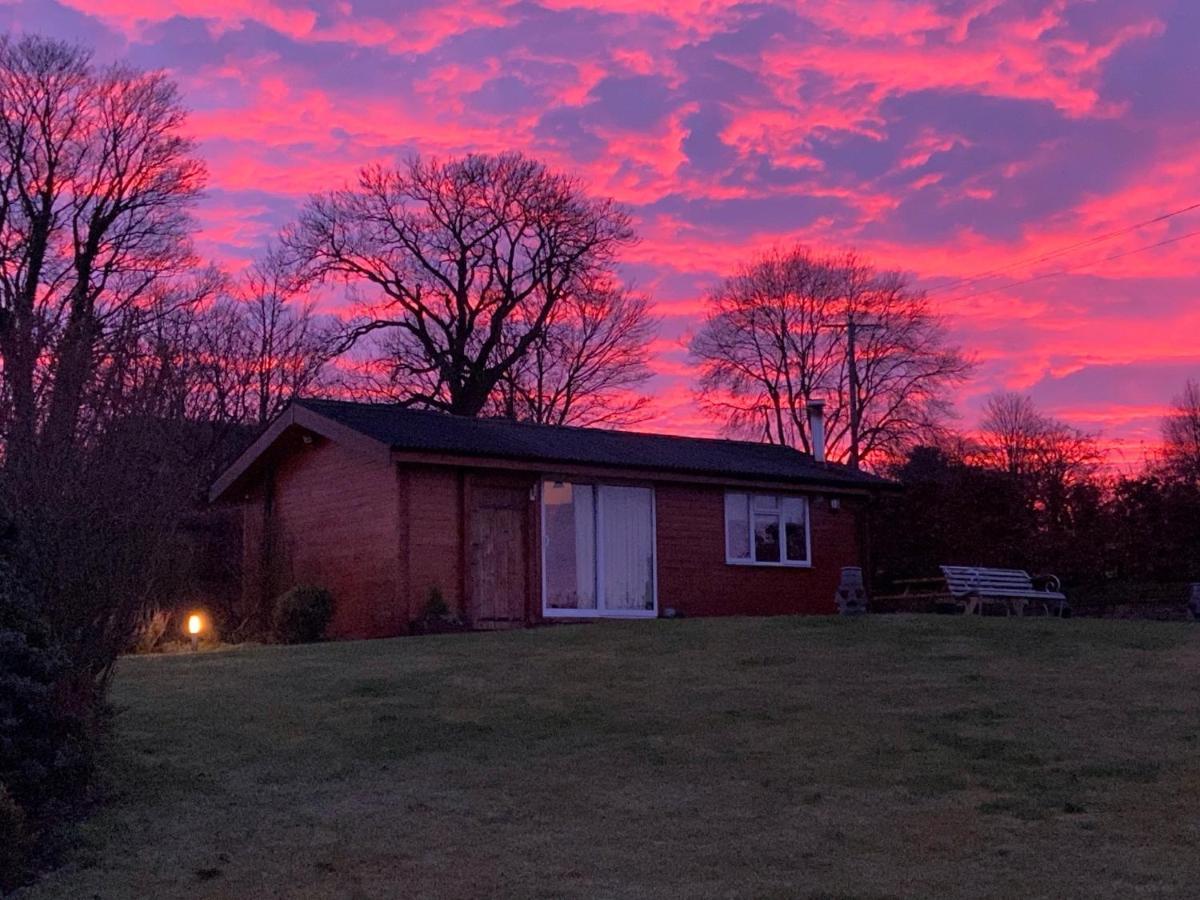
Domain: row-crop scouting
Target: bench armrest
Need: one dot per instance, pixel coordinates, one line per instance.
(1049, 583)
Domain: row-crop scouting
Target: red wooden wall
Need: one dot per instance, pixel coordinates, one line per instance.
(333, 522)
(382, 536)
(694, 578)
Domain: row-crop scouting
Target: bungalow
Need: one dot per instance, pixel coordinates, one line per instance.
(515, 524)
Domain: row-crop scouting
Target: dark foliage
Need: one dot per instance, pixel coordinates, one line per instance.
(437, 617)
(1155, 530)
(14, 841)
(950, 513)
(46, 731)
(302, 614)
(435, 606)
(1101, 536)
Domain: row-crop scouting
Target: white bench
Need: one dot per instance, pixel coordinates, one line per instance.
(977, 586)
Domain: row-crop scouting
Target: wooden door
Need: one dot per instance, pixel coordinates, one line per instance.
(497, 561)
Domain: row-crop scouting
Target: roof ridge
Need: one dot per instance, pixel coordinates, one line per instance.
(500, 420)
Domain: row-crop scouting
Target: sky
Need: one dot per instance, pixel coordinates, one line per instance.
(945, 138)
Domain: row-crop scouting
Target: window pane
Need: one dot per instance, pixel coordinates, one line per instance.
(795, 529)
(737, 526)
(766, 501)
(627, 547)
(570, 528)
(766, 537)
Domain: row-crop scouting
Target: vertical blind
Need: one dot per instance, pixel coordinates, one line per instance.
(627, 547)
(598, 548)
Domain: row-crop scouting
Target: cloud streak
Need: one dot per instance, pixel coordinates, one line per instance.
(944, 138)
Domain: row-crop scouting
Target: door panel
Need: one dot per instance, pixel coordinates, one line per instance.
(497, 560)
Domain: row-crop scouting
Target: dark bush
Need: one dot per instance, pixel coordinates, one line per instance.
(437, 617)
(46, 735)
(14, 842)
(435, 606)
(301, 615)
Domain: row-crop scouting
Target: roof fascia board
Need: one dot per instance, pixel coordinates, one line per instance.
(634, 472)
(293, 415)
(339, 433)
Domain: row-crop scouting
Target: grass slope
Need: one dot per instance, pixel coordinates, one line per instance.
(889, 757)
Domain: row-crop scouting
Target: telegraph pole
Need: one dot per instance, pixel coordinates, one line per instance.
(852, 326)
(852, 377)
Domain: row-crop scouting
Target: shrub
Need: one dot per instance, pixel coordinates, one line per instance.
(301, 615)
(152, 630)
(13, 842)
(47, 716)
(437, 617)
(435, 606)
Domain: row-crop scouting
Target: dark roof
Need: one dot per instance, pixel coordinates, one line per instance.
(434, 432)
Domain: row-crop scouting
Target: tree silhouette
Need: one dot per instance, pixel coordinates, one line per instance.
(468, 262)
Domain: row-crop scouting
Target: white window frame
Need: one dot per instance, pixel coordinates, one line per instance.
(599, 612)
(783, 561)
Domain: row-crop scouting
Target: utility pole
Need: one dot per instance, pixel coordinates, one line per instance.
(852, 326)
(852, 377)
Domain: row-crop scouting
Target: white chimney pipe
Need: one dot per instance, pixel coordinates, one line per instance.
(816, 428)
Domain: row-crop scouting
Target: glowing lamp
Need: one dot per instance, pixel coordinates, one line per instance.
(195, 624)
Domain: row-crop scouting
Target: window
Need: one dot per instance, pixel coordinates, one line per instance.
(766, 530)
(597, 550)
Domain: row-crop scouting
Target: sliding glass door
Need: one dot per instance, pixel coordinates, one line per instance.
(597, 550)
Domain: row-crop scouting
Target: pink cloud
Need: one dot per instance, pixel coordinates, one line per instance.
(859, 118)
(132, 16)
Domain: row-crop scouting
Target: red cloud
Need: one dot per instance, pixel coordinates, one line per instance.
(805, 115)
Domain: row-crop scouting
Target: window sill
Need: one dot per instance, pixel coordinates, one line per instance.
(599, 613)
(768, 565)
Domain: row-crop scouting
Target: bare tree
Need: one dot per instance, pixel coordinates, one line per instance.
(96, 271)
(44, 89)
(1015, 437)
(468, 260)
(259, 345)
(1051, 465)
(760, 350)
(208, 348)
(150, 358)
(96, 182)
(1181, 435)
(791, 326)
(587, 366)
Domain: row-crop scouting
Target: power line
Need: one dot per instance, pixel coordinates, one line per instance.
(1053, 254)
(1109, 258)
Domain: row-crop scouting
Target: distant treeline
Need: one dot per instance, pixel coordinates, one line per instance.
(1029, 492)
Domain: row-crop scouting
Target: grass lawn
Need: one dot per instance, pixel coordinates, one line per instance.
(812, 758)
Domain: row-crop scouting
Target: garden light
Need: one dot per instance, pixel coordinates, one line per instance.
(195, 624)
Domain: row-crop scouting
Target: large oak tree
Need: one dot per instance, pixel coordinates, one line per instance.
(465, 263)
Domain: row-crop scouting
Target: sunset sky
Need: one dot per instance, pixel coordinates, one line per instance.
(947, 139)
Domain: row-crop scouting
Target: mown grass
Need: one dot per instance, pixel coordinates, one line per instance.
(887, 757)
